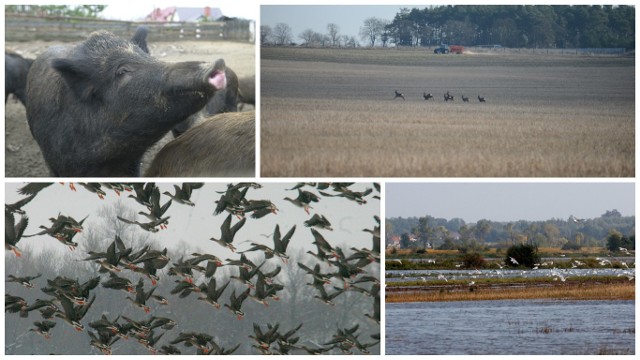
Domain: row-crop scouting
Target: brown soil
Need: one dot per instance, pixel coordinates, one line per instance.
(22, 154)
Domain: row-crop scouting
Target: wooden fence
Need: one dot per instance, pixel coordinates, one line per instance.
(29, 28)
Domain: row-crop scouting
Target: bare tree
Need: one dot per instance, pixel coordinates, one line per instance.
(321, 39)
(385, 34)
(265, 34)
(344, 39)
(282, 34)
(371, 30)
(333, 31)
(351, 42)
(307, 37)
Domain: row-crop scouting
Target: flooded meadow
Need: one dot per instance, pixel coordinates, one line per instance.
(511, 327)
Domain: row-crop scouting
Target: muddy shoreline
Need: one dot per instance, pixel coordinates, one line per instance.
(610, 289)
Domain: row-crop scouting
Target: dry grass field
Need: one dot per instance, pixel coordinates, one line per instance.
(327, 113)
(622, 290)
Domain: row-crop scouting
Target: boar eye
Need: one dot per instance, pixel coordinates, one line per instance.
(123, 70)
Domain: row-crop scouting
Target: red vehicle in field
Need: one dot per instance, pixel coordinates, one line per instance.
(445, 49)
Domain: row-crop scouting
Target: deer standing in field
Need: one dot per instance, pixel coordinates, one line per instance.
(481, 99)
(448, 97)
(465, 99)
(427, 96)
(398, 95)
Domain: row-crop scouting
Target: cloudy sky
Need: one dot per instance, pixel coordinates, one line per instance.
(195, 225)
(508, 201)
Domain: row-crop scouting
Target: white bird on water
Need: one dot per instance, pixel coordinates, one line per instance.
(441, 277)
(514, 261)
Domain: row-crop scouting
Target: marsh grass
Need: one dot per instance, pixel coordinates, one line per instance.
(584, 291)
(336, 119)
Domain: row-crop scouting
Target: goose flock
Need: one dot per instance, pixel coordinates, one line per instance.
(262, 295)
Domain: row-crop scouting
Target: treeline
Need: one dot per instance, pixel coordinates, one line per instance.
(454, 233)
(528, 26)
(281, 34)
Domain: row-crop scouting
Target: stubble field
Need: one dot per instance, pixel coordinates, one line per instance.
(332, 113)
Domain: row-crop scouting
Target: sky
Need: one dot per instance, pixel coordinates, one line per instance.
(349, 18)
(195, 225)
(508, 201)
(135, 10)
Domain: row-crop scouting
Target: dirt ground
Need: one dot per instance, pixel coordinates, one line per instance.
(22, 154)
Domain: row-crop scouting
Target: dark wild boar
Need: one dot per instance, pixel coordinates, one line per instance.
(246, 91)
(222, 145)
(223, 101)
(96, 107)
(16, 69)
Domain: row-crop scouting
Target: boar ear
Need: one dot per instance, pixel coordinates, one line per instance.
(140, 38)
(77, 77)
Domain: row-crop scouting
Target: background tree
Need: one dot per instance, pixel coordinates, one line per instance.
(404, 241)
(351, 41)
(282, 34)
(516, 26)
(482, 229)
(612, 214)
(265, 34)
(88, 11)
(385, 33)
(616, 240)
(371, 30)
(552, 232)
(307, 37)
(473, 261)
(333, 33)
(524, 254)
(321, 39)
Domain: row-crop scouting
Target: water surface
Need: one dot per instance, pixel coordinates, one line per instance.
(509, 327)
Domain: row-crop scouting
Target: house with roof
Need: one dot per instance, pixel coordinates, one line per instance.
(187, 14)
(393, 241)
